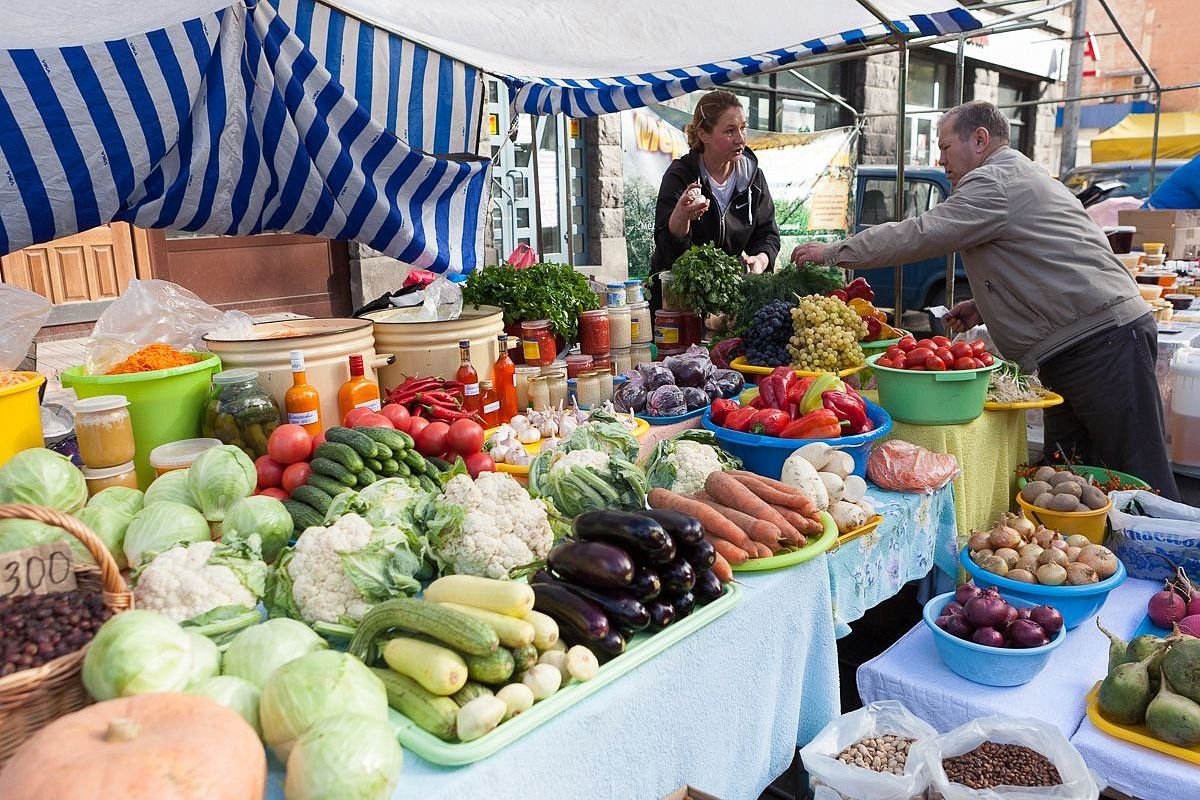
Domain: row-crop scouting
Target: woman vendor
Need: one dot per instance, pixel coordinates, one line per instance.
(715, 193)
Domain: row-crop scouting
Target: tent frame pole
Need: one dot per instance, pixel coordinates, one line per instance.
(1153, 79)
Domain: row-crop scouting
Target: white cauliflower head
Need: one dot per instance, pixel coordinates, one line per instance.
(693, 462)
(320, 586)
(503, 527)
(590, 459)
(180, 583)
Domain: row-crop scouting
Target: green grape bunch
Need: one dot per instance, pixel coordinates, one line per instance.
(825, 335)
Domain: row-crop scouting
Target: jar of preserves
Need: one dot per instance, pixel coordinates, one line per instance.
(588, 389)
(634, 293)
(239, 411)
(620, 331)
(100, 479)
(691, 330)
(537, 342)
(623, 360)
(178, 455)
(539, 392)
(595, 331)
(668, 328)
(615, 296)
(604, 392)
(603, 362)
(669, 301)
(556, 383)
(523, 375)
(578, 363)
(641, 325)
(489, 404)
(104, 430)
(640, 354)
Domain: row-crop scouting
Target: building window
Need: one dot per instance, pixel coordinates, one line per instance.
(930, 87)
(1020, 133)
(784, 103)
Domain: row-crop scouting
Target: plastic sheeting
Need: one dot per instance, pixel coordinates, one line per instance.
(1133, 137)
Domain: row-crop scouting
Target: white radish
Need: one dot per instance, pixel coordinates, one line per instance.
(543, 680)
(854, 489)
(479, 716)
(848, 516)
(816, 453)
(517, 697)
(834, 485)
(840, 463)
(556, 659)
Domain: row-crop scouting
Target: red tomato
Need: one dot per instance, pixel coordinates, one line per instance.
(296, 475)
(353, 416)
(894, 350)
(966, 362)
(941, 341)
(885, 362)
(432, 440)
(416, 425)
(398, 414)
(978, 346)
(373, 420)
(918, 355)
(270, 472)
(961, 350)
(288, 444)
(986, 359)
(916, 368)
(900, 361)
(946, 356)
(906, 343)
(935, 364)
(465, 437)
(928, 344)
(479, 462)
(318, 440)
(278, 494)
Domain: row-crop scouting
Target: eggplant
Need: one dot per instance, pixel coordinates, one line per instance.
(701, 555)
(677, 577)
(708, 587)
(599, 565)
(659, 557)
(579, 619)
(683, 605)
(608, 647)
(624, 529)
(683, 528)
(621, 606)
(646, 584)
(662, 614)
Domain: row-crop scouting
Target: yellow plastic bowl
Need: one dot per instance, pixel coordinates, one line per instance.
(1086, 523)
(20, 417)
(741, 366)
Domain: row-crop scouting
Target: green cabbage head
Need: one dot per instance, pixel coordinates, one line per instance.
(110, 524)
(160, 526)
(240, 695)
(263, 515)
(219, 477)
(42, 477)
(118, 498)
(345, 756)
(259, 650)
(171, 486)
(137, 652)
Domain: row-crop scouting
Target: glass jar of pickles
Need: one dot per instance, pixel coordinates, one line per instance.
(104, 431)
(239, 411)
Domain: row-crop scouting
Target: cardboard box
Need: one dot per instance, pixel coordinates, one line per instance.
(688, 793)
(1178, 229)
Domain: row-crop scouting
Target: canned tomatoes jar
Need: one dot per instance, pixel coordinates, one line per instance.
(668, 328)
(537, 342)
(595, 331)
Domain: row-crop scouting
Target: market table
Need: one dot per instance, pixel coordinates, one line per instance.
(1133, 770)
(917, 533)
(911, 671)
(722, 710)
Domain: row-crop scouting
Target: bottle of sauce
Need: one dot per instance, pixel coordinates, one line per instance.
(358, 391)
(301, 402)
(490, 407)
(504, 378)
(468, 377)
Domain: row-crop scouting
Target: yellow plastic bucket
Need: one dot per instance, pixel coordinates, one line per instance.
(1086, 523)
(164, 405)
(20, 417)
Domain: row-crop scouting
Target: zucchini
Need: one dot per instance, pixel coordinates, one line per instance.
(438, 669)
(545, 629)
(303, 515)
(363, 445)
(341, 453)
(314, 497)
(496, 668)
(373, 465)
(512, 632)
(524, 657)
(365, 477)
(333, 469)
(433, 713)
(450, 627)
(503, 597)
(391, 438)
(326, 484)
(390, 466)
(472, 690)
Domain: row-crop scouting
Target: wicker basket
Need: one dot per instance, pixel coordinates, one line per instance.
(33, 698)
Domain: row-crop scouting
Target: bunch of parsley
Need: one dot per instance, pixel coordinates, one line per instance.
(542, 291)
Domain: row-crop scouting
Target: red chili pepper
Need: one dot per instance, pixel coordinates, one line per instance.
(769, 422)
(848, 408)
(740, 419)
(435, 397)
(819, 424)
(722, 408)
(450, 414)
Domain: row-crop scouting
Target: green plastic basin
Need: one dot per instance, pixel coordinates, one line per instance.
(931, 398)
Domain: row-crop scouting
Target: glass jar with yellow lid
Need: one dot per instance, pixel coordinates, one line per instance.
(104, 430)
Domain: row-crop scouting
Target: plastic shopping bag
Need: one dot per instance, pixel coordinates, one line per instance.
(1078, 783)
(1150, 533)
(439, 301)
(523, 256)
(153, 311)
(830, 779)
(24, 313)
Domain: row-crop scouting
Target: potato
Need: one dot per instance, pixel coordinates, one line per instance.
(1064, 502)
(1045, 499)
(1034, 490)
(1093, 498)
(1068, 487)
(1059, 477)
(1044, 474)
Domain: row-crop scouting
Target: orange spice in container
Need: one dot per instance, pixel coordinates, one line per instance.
(153, 357)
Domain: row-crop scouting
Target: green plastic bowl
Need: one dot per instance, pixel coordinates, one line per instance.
(164, 405)
(932, 398)
(871, 348)
(1098, 474)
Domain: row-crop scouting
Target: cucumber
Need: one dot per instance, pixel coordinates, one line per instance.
(311, 495)
(512, 632)
(450, 627)
(341, 453)
(431, 712)
(469, 692)
(391, 438)
(397, 467)
(373, 465)
(414, 460)
(440, 464)
(496, 668)
(326, 484)
(365, 478)
(382, 451)
(438, 669)
(427, 485)
(333, 469)
(363, 445)
(303, 515)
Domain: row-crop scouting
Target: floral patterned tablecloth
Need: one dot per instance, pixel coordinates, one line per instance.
(917, 533)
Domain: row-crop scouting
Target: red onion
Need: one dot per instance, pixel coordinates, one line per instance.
(951, 608)
(1166, 607)
(1010, 616)
(986, 609)
(1190, 625)
(1023, 613)
(965, 592)
(955, 625)
(988, 636)
(1026, 633)
(1049, 618)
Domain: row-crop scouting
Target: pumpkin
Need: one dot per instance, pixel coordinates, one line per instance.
(166, 746)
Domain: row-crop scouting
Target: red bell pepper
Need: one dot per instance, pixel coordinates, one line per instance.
(758, 402)
(819, 424)
(722, 408)
(860, 288)
(774, 387)
(740, 419)
(849, 409)
(840, 294)
(770, 422)
(874, 327)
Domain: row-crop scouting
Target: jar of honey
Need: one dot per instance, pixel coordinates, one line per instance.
(104, 431)
(100, 479)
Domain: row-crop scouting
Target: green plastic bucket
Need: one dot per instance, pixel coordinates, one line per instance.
(164, 405)
(932, 398)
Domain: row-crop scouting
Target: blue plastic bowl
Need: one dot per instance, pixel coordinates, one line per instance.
(765, 455)
(991, 666)
(1077, 604)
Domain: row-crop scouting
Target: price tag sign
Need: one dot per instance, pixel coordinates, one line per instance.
(44, 569)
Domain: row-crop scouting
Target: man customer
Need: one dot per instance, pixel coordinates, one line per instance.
(1047, 284)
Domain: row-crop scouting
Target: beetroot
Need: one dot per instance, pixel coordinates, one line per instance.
(1026, 633)
(1190, 625)
(955, 625)
(1193, 606)
(1049, 618)
(1166, 607)
(988, 636)
(986, 610)
(965, 592)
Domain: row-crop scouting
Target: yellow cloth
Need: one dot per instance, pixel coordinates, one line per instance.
(1131, 138)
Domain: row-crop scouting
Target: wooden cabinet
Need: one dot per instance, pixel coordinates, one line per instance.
(92, 266)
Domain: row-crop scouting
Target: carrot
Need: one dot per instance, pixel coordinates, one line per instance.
(775, 492)
(722, 570)
(799, 522)
(759, 530)
(765, 551)
(712, 521)
(727, 489)
(730, 552)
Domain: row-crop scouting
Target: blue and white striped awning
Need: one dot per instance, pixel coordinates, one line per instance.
(229, 123)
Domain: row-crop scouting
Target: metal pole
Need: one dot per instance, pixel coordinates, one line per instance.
(828, 95)
(1071, 108)
(901, 99)
(1154, 139)
(1153, 79)
(960, 69)
(1179, 87)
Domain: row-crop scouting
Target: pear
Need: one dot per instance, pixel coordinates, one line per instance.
(1181, 665)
